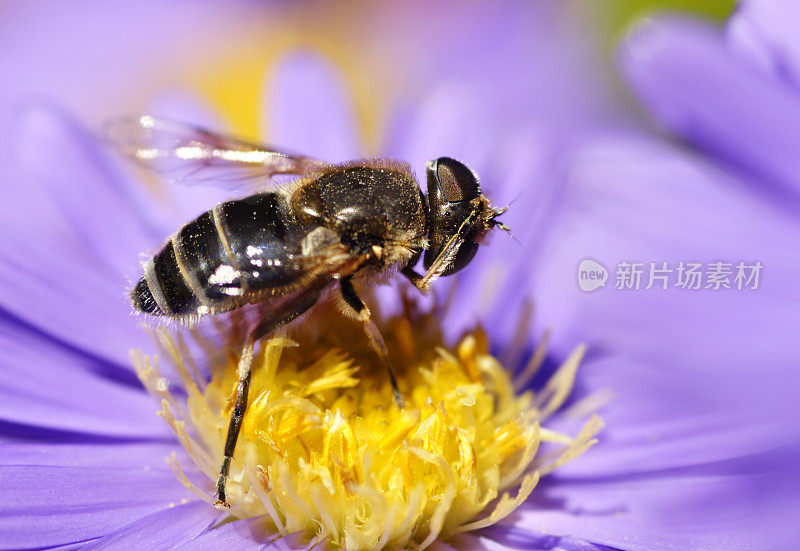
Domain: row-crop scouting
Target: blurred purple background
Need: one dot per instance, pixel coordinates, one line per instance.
(673, 142)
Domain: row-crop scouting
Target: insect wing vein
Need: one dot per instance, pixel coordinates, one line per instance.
(193, 155)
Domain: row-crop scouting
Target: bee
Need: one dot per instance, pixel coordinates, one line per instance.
(281, 248)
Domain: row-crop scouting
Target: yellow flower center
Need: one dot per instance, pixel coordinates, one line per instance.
(324, 449)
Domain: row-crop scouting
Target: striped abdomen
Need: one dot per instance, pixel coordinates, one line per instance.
(213, 262)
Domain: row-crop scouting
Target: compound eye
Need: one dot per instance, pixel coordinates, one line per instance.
(456, 181)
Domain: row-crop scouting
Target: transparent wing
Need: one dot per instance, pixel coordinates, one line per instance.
(193, 155)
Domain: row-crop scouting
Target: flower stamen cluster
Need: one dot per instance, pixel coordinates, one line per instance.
(324, 449)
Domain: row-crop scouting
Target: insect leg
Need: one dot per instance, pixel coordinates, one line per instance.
(352, 300)
(413, 277)
(447, 255)
(271, 321)
(245, 373)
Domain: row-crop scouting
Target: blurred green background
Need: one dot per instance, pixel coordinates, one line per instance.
(614, 17)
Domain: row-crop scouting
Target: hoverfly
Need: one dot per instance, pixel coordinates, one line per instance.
(281, 248)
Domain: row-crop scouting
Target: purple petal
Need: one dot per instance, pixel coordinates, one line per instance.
(48, 277)
(506, 56)
(506, 536)
(108, 213)
(308, 110)
(660, 419)
(244, 534)
(442, 546)
(683, 72)
(70, 546)
(765, 32)
(56, 288)
(629, 198)
(699, 509)
(50, 385)
(46, 506)
(697, 376)
(451, 121)
(166, 529)
(128, 455)
(67, 277)
(102, 61)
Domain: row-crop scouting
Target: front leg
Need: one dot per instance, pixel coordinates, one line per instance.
(414, 278)
(354, 302)
(412, 275)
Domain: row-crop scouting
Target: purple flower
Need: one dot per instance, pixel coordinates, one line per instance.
(701, 444)
(713, 375)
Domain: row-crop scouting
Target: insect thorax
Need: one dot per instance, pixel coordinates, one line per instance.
(365, 204)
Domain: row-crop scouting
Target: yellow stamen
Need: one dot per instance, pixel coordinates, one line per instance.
(324, 449)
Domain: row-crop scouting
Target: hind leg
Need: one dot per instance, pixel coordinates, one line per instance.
(269, 323)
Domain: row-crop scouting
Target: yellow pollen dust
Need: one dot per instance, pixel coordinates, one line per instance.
(325, 451)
